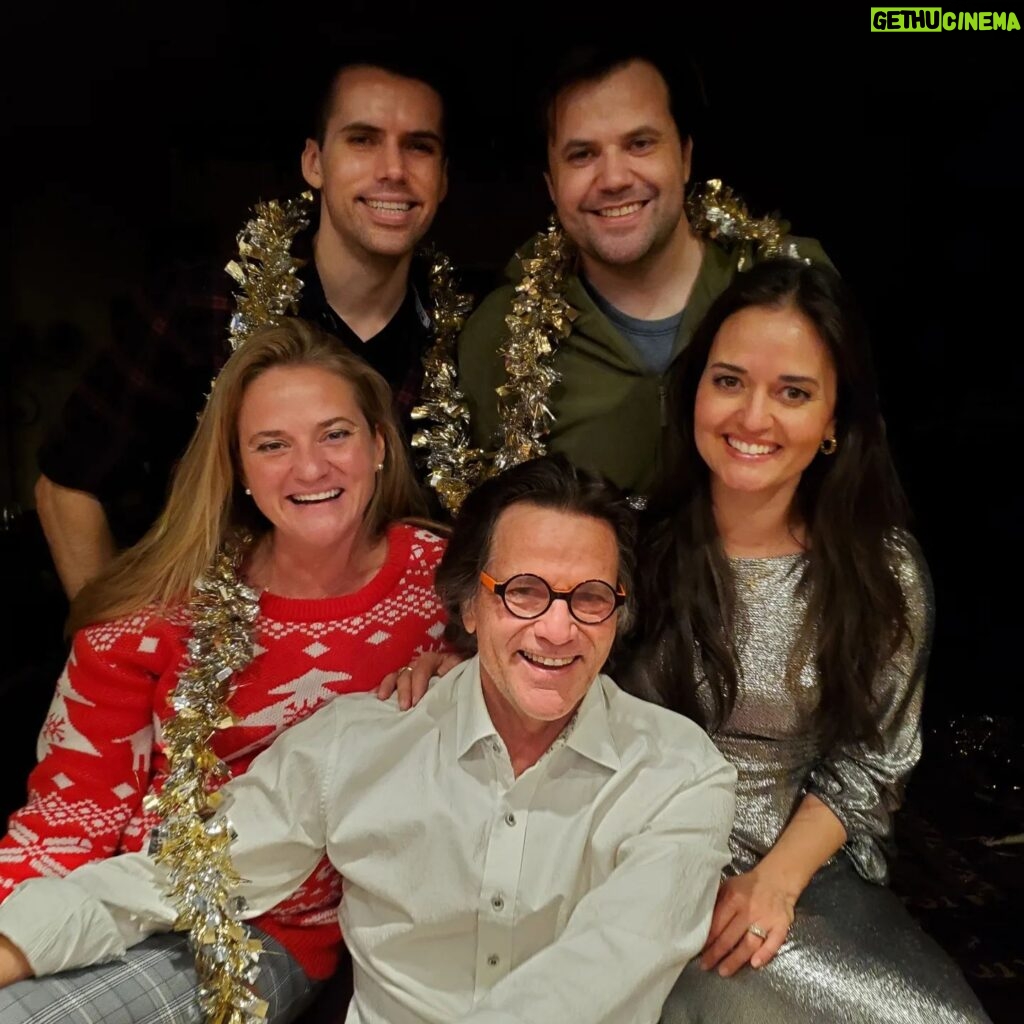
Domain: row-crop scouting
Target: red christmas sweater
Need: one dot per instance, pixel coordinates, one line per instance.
(100, 750)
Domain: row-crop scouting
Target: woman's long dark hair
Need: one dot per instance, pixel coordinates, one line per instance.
(850, 503)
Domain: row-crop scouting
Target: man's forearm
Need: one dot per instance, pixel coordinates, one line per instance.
(88, 917)
(77, 532)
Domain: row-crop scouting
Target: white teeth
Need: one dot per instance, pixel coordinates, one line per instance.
(547, 662)
(380, 204)
(322, 496)
(620, 211)
(751, 449)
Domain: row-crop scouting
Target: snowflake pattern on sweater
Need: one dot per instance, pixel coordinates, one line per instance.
(100, 750)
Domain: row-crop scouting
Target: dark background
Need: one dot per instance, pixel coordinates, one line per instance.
(135, 137)
(138, 135)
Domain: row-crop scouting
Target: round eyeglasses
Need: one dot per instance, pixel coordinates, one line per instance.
(528, 597)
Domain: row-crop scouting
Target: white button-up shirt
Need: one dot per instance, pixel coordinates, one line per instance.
(576, 892)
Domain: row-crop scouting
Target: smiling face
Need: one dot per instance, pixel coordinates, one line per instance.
(381, 168)
(538, 670)
(617, 168)
(307, 454)
(765, 402)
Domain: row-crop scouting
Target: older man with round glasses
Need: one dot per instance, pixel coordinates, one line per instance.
(528, 843)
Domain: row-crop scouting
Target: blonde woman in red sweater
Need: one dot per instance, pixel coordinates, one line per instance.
(298, 463)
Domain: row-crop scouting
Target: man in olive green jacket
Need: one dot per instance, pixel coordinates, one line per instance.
(618, 166)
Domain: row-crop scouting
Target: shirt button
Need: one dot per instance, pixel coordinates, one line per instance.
(510, 820)
(493, 960)
(497, 902)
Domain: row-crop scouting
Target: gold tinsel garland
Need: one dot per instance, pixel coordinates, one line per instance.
(715, 211)
(539, 320)
(193, 839)
(454, 467)
(266, 269)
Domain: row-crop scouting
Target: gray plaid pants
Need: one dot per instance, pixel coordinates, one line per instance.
(154, 983)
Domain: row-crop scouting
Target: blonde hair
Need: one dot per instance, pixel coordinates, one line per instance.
(206, 501)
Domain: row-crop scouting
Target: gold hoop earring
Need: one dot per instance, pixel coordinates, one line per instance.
(829, 445)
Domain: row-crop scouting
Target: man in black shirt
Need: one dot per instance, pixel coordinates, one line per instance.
(378, 163)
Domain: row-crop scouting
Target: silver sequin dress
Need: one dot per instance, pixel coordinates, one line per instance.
(853, 955)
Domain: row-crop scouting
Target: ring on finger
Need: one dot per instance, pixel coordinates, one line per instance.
(405, 668)
(756, 929)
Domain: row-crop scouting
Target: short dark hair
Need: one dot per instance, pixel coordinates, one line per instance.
(395, 56)
(551, 482)
(592, 62)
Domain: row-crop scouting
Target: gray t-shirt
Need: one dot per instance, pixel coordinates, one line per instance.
(653, 339)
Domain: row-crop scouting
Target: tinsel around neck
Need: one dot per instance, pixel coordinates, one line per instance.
(540, 319)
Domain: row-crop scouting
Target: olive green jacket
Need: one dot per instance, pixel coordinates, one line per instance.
(609, 409)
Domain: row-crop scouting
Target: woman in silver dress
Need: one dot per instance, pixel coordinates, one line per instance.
(788, 610)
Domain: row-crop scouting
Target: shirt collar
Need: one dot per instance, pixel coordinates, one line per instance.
(589, 733)
(473, 721)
